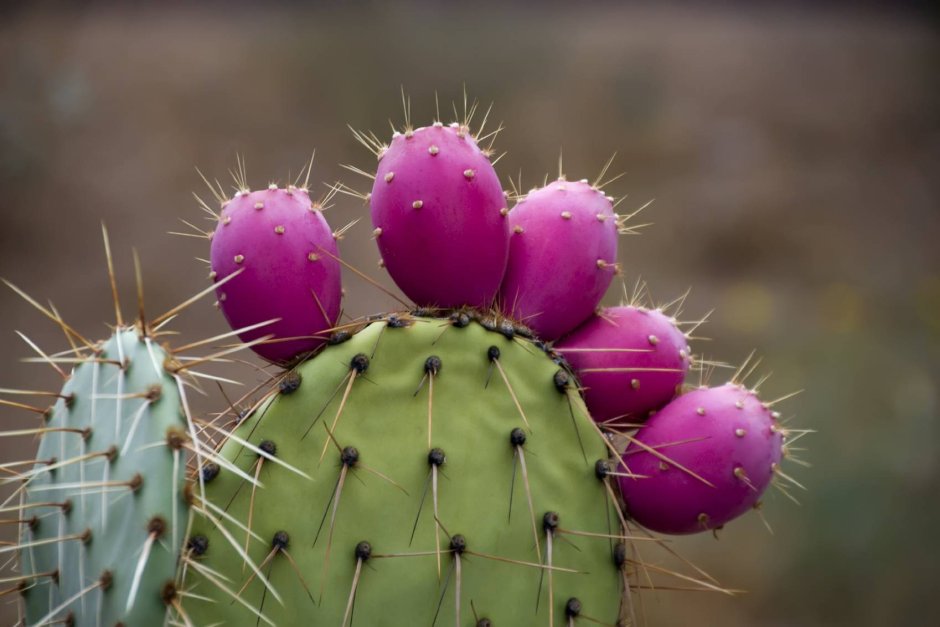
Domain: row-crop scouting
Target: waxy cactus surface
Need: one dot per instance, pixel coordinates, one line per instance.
(105, 506)
(441, 445)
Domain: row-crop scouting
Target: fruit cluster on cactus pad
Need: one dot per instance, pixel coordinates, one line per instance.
(502, 452)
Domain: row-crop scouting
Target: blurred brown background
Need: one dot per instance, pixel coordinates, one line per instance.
(792, 153)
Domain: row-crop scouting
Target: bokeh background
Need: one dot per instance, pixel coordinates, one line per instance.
(792, 151)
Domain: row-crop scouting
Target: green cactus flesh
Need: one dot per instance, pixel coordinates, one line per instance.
(112, 460)
(514, 570)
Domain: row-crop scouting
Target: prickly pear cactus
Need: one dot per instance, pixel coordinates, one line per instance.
(500, 455)
(104, 505)
(424, 471)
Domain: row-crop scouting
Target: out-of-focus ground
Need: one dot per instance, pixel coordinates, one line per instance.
(792, 154)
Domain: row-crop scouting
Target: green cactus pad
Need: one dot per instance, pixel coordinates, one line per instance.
(382, 377)
(113, 459)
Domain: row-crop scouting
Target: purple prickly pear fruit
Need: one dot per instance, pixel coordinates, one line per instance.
(562, 256)
(440, 217)
(630, 360)
(290, 271)
(723, 435)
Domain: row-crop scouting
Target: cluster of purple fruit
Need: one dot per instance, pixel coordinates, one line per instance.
(450, 241)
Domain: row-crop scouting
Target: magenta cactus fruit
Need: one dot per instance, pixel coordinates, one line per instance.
(290, 272)
(562, 256)
(724, 436)
(439, 214)
(630, 361)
